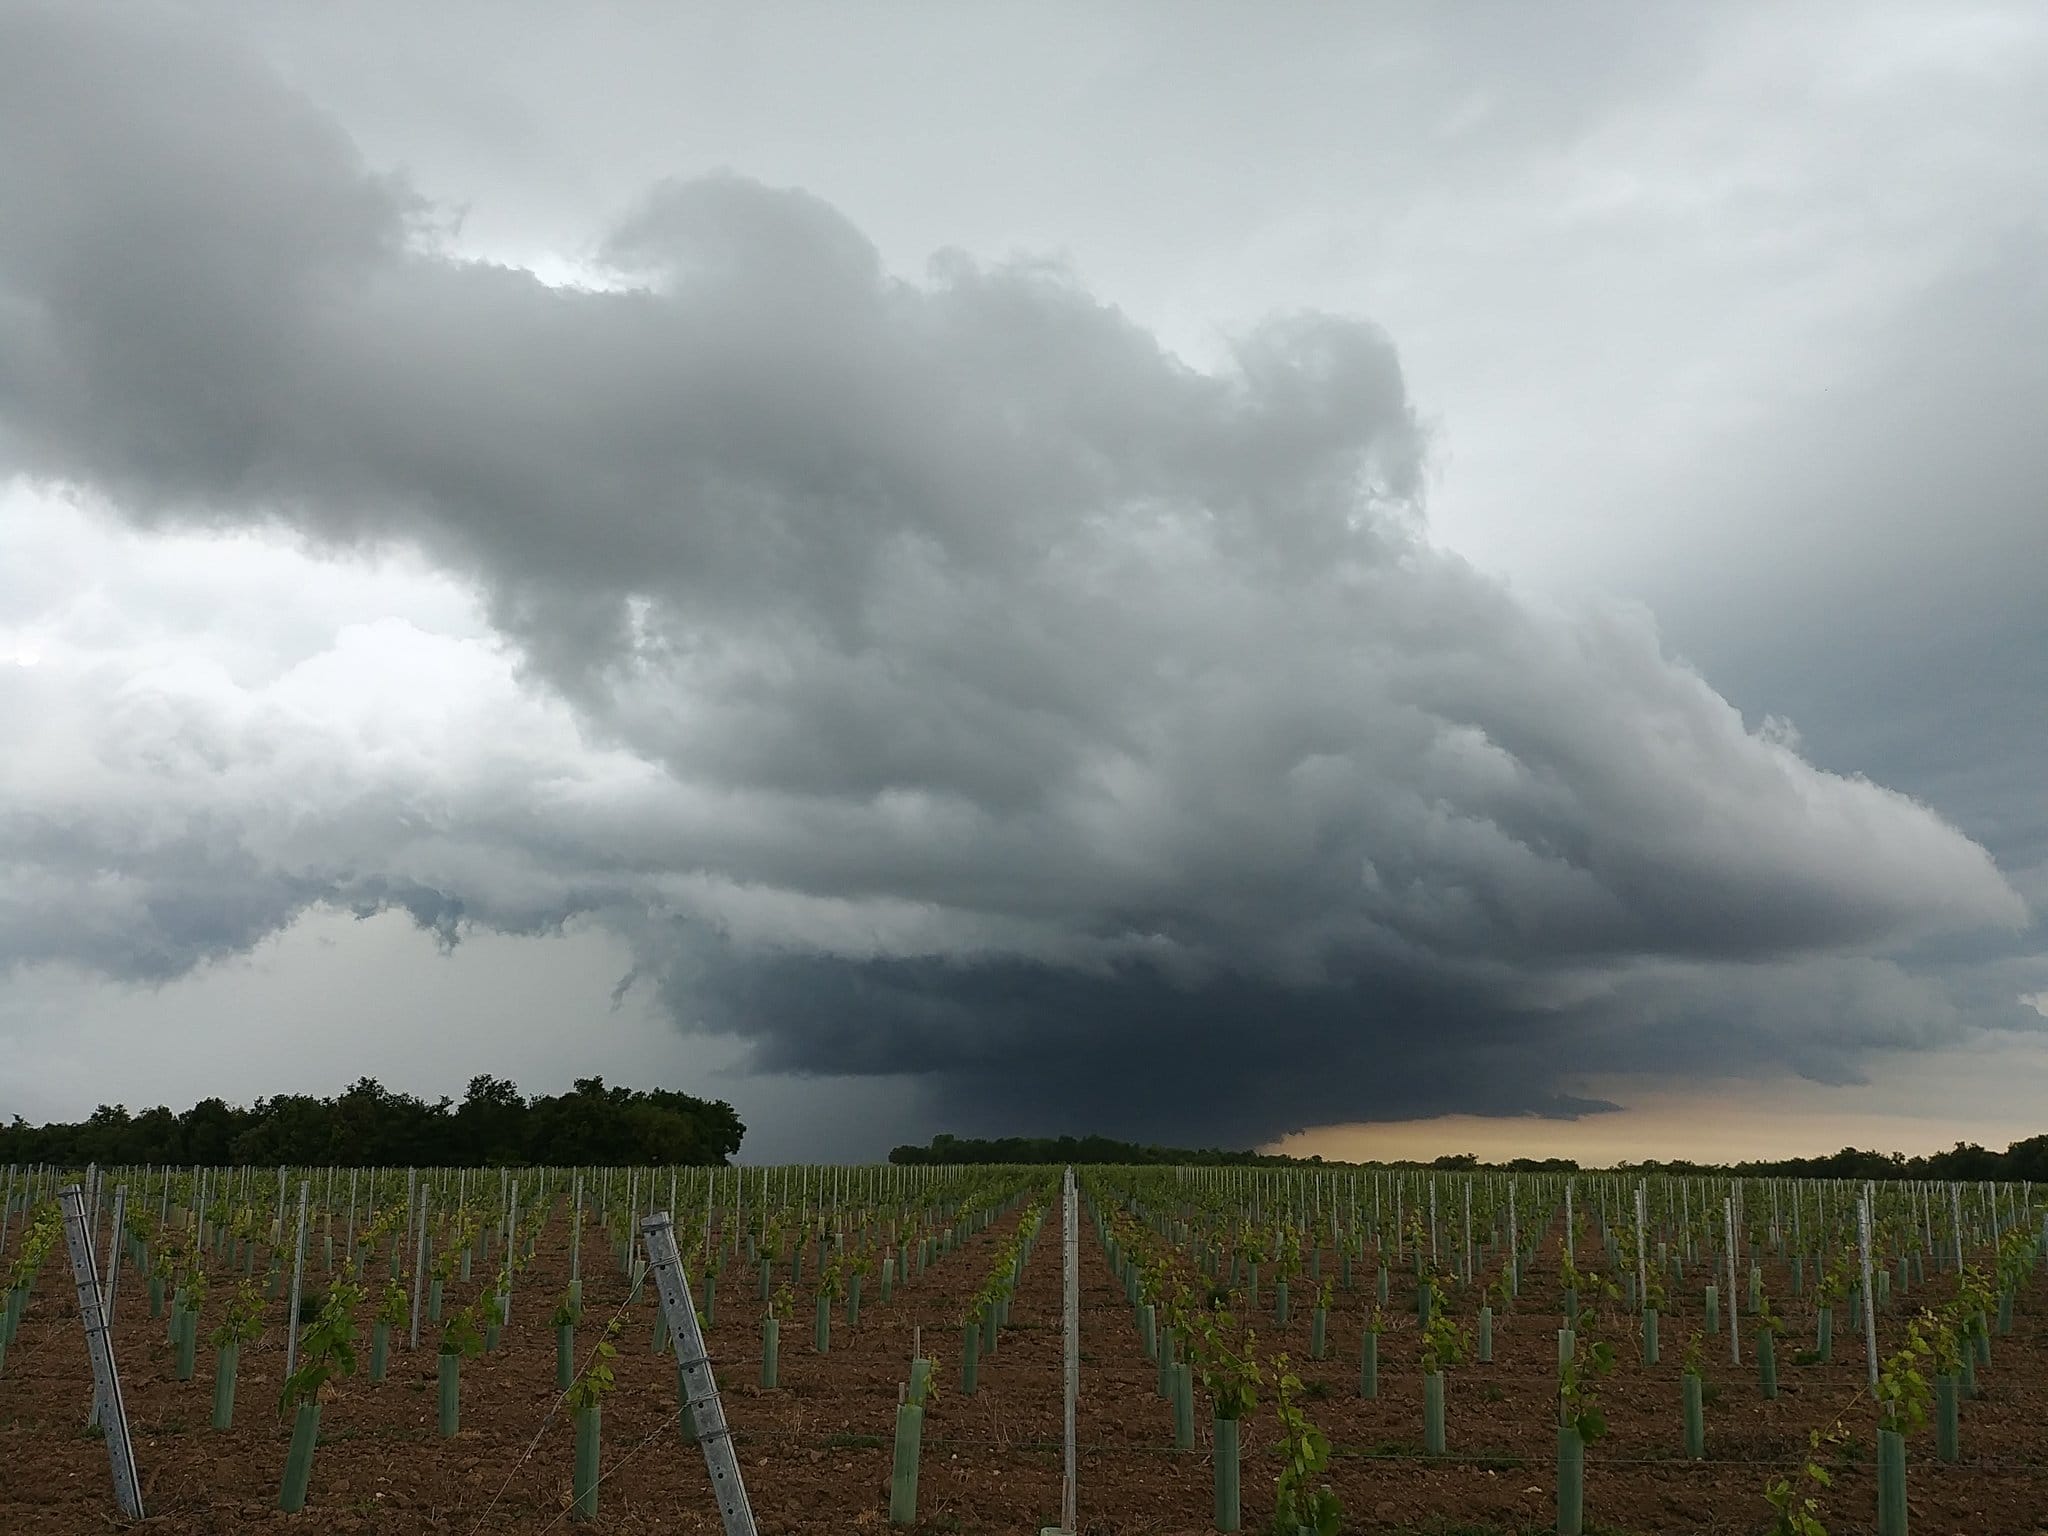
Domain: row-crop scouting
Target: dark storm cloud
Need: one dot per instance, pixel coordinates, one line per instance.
(1033, 712)
(1236, 1055)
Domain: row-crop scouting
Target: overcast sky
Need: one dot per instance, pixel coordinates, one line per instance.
(1033, 568)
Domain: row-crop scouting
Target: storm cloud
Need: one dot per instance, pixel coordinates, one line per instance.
(930, 676)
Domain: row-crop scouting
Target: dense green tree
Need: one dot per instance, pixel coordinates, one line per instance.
(1079, 1149)
(492, 1119)
(208, 1134)
(369, 1124)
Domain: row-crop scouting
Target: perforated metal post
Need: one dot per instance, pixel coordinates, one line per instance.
(1514, 1242)
(291, 1329)
(419, 1270)
(1642, 1246)
(109, 1269)
(1468, 1230)
(1869, 1294)
(511, 1258)
(576, 1234)
(1070, 1310)
(700, 1391)
(106, 1377)
(89, 1201)
(111, 1284)
(1734, 1339)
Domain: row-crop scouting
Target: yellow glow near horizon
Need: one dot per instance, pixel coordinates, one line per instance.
(1911, 1112)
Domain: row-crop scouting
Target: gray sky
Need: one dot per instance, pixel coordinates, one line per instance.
(1029, 568)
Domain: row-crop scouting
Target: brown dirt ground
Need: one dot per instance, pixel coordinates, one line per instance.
(816, 1452)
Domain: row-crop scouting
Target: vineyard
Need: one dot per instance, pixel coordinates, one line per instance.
(1300, 1350)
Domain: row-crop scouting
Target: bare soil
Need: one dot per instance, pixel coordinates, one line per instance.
(816, 1451)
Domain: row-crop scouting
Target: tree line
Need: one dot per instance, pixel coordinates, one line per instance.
(1965, 1161)
(1106, 1149)
(1084, 1149)
(369, 1125)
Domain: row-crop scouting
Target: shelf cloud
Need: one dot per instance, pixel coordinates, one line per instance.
(930, 676)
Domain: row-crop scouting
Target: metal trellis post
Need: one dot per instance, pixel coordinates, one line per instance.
(419, 1270)
(700, 1391)
(1869, 1294)
(1734, 1339)
(1071, 1319)
(291, 1327)
(112, 1283)
(106, 1376)
(1070, 1324)
(1642, 1249)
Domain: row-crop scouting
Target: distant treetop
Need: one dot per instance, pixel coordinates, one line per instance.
(1083, 1149)
(370, 1125)
(1965, 1161)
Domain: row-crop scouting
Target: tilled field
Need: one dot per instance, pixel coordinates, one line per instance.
(816, 1451)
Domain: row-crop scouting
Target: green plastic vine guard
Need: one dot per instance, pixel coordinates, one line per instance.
(589, 1437)
(1891, 1483)
(1227, 1475)
(449, 1397)
(1571, 1482)
(298, 1461)
(1433, 1413)
(188, 1343)
(903, 1471)
(226, 1366)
